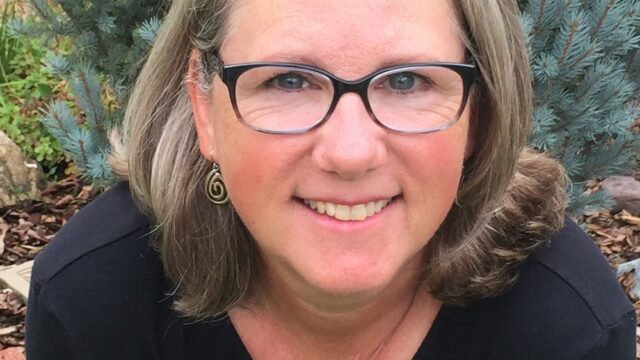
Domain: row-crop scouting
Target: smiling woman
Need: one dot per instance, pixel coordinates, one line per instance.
(330, 180)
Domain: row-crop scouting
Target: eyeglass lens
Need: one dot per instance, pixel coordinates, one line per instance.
(277, 98)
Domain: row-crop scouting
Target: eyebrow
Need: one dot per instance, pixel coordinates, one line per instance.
(391, 61)
(292, 58)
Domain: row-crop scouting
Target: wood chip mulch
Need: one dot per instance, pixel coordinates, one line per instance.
(618, 236)
(24, 231)
(26, 228)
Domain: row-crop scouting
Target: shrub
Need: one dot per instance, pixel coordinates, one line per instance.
(8, 43)
(24, 85)
(586, 68)
(109, 40)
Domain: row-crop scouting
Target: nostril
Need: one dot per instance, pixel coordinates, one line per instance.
(350, 158)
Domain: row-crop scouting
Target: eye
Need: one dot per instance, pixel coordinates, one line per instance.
(402, 81)
(289, 81)
(405, 83)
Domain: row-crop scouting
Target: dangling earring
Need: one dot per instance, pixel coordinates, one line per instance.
(214, 187)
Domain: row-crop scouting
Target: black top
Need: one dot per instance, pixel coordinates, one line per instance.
(98, 291)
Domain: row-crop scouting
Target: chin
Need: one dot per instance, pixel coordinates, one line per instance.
(355, 277)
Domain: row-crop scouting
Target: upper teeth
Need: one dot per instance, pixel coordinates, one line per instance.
(346, 212)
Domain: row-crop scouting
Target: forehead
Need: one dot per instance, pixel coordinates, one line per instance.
(349, 37)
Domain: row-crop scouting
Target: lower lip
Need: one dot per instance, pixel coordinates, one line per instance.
(352, 225)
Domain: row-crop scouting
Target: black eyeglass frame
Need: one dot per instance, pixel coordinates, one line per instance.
(229, 75)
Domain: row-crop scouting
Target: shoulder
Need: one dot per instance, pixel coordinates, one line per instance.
(100, 274)
(576, 263)
(110, 221)
(566, 301)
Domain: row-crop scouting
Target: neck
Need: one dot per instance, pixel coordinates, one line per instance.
(362, 324)
(327, 314)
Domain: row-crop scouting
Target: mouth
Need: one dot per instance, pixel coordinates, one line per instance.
(343, 212)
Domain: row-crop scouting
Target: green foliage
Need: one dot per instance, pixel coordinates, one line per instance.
(27, 85)
(585, 66)
(109, 41)
(8, 43)
(111, 36)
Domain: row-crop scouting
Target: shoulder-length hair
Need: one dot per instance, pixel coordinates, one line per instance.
(508, 203)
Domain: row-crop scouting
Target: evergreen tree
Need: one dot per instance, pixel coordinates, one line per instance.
(109, 41)
(585, 63)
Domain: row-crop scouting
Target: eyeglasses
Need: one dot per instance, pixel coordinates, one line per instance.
(289, 98)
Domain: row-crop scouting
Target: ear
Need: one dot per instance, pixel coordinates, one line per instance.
(201, 106)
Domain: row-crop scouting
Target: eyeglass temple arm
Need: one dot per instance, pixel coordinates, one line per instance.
(212, 62)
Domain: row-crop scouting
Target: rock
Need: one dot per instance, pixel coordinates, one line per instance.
(12, 353)
(20, 177)
(625, 190)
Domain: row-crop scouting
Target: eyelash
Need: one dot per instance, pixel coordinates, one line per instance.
(428, 81)
(267, 83)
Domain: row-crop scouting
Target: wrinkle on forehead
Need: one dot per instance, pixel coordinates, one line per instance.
(348, 37)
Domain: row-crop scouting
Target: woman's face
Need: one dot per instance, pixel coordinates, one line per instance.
(349, 161)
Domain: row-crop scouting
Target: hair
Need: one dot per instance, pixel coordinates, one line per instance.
(509, 202)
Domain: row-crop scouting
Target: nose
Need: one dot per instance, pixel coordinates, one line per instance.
(350, 143)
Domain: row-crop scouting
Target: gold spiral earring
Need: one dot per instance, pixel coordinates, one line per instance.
(214, 187)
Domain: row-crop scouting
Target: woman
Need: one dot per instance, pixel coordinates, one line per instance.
(330, 180)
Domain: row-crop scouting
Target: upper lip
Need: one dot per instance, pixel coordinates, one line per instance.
(348, 201)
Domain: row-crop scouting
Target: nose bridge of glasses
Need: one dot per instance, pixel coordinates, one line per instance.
(359, 87)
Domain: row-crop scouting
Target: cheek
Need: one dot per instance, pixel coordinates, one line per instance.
(439, 174)
(443, 157)
(433, 167)
(248, 171)
(239, 155)
(246, 176)
(244, 164)
(239, 158)
(258, 169)
(436, 158)
(255, 170)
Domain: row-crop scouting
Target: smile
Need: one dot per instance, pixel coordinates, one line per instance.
(341, 212)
